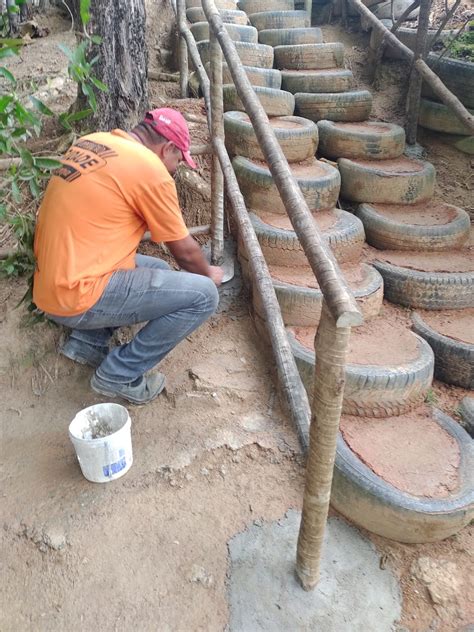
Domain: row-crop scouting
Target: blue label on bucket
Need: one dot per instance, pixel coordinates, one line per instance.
(113, 468)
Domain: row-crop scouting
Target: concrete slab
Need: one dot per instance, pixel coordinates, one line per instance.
(353, 595)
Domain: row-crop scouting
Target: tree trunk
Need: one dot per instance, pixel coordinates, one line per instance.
(122, 64)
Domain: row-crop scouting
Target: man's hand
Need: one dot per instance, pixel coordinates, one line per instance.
(189, 257)
(216, 273)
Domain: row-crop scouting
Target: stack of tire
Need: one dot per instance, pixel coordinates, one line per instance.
(330, 120)
(457, 76)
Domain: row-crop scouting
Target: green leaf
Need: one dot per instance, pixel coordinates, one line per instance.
(89, 93)
(98, 84)
(26, 157)
(34, 188)
(16, 192)
(10, 42)
(96, 39)
(39, 105)
(8, 75)
(64, 120)
(67, 51)
(5, 101)
(78, 116)
(47, 163)
(84, 10)
(8, 52)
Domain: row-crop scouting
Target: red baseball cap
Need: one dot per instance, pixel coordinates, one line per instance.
(171, 125)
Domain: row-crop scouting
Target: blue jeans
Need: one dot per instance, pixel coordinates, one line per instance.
(174, 304)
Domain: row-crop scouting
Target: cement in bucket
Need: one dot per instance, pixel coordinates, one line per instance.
(101, 436)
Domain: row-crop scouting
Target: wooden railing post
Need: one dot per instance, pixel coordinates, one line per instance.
(217, 131)
(331, 346)
(414, 87)
(182, 51)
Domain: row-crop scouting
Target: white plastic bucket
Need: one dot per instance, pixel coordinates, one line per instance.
(101, 436)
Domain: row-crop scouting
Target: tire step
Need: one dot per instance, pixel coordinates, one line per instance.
(339, 106)
(220, 4)
(274, 102)
(237, 32)
(427, 280)
(329, 80)
(389, 368)
(319, 182)
(428, 226)
(451, 336)
(371, 494)
(309, 56)
(286, 37)
(264, 77)
(258, 55)
(301, 299)
(439, 118)
(342, 231)
(297, 136)
(229, 16)
(399, 181)
(367, 140)
(258, 6)
(265, 20)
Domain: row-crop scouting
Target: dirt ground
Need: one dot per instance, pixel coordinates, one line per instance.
(213, 455)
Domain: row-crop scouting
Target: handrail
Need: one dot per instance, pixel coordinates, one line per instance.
(341, 303)
(292, 386)
(446, 96)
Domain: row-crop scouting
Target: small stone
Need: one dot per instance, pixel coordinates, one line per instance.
(199, 575)
(440, 577)
(204, 471)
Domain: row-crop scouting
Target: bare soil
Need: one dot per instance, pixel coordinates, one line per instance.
(377, 342)
(436, 472)
(212, 455)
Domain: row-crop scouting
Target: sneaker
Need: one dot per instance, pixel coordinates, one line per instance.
(141, 391)
(82, 353)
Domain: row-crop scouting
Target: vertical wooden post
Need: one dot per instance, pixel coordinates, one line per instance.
(344, 12)
(182, 50)
(308, 7)
(217, 131)
(331, 345)
(414, 87)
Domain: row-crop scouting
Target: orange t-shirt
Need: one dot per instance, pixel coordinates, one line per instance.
(96, 208)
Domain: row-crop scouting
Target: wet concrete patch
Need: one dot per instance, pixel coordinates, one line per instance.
(354, 594)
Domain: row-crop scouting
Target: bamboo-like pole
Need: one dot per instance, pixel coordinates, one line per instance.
(321, 259)
(182, 51)
(308, 7)
(445, 95)
(331, 346)
(217, 131)
(395, 26)
(291, 385)
(414, 86)
(289, 378)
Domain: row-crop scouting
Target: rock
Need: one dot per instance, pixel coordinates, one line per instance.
(54, 538)
(440, 577)
(199, 575)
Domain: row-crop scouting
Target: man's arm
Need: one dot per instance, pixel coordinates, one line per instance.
(189, 257)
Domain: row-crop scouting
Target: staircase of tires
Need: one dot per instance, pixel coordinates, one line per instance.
(403, 469)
